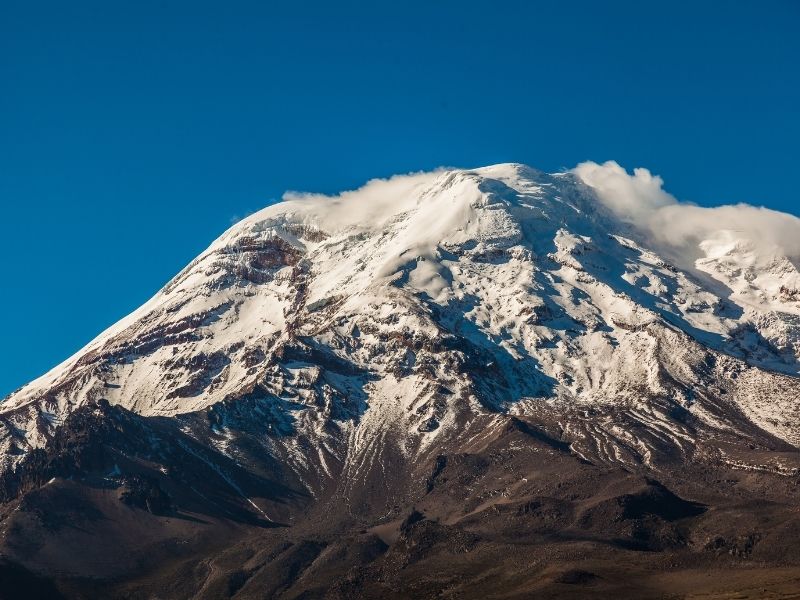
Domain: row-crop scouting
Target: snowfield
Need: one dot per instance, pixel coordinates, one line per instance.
(401, 312)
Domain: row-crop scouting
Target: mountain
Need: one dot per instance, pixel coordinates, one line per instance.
(489, 382)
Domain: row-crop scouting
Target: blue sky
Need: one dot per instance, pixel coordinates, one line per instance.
(131, 133)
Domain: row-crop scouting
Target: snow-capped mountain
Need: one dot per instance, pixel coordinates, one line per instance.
(356, 338)
(508, 287)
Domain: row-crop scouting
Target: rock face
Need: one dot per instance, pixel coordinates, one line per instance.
(377, 393)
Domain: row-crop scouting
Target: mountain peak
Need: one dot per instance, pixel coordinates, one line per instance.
(502, 348)
(528, 277)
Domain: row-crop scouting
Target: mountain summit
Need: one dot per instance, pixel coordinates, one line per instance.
(436, 365)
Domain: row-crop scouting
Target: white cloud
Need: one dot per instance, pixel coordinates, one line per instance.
(372, 205)
(631, 198)
(681, 226)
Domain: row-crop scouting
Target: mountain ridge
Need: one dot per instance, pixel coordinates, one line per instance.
(468, 208)
(363, 352)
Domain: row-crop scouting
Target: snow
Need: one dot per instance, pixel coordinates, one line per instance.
(506, 285)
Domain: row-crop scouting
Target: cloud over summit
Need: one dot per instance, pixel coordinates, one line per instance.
(680, 227)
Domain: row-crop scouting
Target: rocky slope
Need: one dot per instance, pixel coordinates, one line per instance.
(428, 371)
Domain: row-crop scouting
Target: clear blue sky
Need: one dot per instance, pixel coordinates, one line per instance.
(132, 132)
